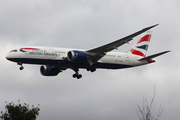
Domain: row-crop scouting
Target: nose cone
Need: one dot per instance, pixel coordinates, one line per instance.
(8, 57)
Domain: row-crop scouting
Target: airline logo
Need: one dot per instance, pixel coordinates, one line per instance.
(136, 52)
(145, 47)
(140, 48)
(25, 49)
(37, 51)
(145, 38)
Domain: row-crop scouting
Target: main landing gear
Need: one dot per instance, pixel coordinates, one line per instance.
(76, 75)
(91, 69)
(20, 63)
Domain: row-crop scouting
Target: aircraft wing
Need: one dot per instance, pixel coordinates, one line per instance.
(97, 53)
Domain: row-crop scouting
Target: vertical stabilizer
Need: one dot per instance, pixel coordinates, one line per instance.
(140, 48)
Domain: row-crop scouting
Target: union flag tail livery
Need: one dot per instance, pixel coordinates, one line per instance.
(141, 47)
(55, 60)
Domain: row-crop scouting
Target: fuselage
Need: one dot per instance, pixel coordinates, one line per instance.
(58, 57)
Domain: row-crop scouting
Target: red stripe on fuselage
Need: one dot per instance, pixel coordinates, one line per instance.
(136, 52)
(145, 38)
(29, 49)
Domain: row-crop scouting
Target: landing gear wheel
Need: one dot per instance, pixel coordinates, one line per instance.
(75, 75)
(79, 76)
(21, 68)
(91, 69)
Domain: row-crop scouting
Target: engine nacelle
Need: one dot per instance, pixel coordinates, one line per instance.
(47, 70)
(75, 55)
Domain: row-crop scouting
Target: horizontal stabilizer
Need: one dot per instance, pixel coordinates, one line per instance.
(153, 56)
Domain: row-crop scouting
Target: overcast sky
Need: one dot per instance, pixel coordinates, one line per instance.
(85, 24)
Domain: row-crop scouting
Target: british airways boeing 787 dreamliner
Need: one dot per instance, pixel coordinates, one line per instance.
(55, 60)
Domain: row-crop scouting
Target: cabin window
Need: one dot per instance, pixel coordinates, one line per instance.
(13, 50)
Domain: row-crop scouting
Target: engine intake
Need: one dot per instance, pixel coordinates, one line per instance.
(75, 55)
(47, 70)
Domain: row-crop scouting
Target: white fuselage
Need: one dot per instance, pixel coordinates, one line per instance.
(58, 57)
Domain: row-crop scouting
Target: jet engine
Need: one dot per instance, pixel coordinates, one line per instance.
(47, 70)
(75, 55)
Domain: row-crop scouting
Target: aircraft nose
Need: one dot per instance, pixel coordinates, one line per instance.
(8, 57)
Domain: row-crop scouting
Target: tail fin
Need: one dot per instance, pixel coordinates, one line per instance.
(140, 48)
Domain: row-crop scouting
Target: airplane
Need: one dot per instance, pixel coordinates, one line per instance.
(55, 60)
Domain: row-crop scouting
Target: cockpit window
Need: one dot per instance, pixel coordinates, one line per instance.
(13, 50)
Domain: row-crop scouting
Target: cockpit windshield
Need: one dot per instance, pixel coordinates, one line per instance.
(13, 51)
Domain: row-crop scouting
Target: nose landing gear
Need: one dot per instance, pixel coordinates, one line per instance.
(20, 63)
(21, 68)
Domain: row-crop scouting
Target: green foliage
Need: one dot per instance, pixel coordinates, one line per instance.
(19, 112)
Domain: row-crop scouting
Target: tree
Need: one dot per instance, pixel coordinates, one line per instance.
(19, 112)
(145, 113)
